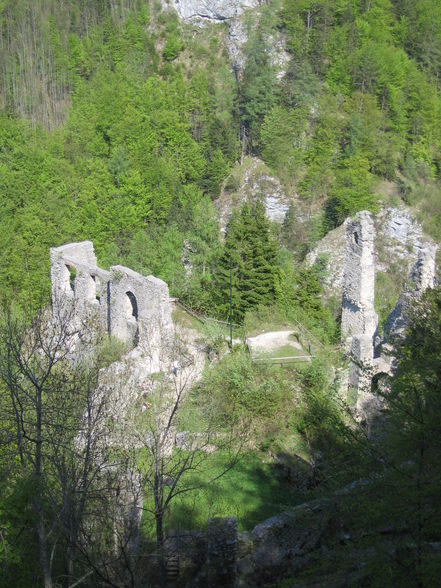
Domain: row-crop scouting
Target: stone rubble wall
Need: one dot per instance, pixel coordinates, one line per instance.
(131, 307)
(422, 276)
(126, 305)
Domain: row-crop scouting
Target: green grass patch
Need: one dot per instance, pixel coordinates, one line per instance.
(252, 491)
(266, 319)
(286, 351)
(184, 319)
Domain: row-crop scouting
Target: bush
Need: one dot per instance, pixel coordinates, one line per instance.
(173, 46)
(244, 389)
(111, 350)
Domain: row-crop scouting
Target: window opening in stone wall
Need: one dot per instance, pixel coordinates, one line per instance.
(72, 274)
(94, 293)
(356, 237)
(131, 309)
(132, 305)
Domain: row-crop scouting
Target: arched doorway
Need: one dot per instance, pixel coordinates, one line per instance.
(131, 314)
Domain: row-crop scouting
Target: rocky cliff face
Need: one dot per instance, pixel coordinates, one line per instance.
(399, 241)
(251, 182)
(200, 12)
(237, 38)
(209, 10)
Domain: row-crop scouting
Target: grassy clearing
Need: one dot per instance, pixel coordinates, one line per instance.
(252, 491)
(262, 322)
(284, 351)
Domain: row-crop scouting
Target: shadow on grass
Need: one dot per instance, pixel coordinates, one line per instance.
(252, 491)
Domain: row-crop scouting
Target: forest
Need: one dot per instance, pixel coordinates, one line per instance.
(123, 125)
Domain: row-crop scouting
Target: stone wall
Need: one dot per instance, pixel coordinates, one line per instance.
(76, 279)
(131, 307)
(369, 356)
(422, 276)
(359, 319)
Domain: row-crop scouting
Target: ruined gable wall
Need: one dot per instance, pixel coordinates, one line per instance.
(422, 277)
(127, 305)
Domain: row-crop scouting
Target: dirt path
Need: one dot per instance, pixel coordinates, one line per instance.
(267, 342)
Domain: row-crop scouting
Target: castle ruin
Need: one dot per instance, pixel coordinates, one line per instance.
(131, 307)
(369, 355)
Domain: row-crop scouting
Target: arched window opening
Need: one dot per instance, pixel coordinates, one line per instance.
(131, 306)
(70, 275)
(131, 313)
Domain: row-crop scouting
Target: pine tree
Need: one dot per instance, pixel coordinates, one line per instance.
(251, 252)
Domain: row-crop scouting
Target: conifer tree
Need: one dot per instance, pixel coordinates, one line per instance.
(251, 252)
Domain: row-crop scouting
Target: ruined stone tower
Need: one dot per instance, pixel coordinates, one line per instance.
(369, 358)
(359, 319)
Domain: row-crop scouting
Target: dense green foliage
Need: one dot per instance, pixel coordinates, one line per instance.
(145, 123)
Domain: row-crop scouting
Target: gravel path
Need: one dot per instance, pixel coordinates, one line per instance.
(273, 340)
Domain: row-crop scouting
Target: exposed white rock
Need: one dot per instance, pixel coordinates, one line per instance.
(275, 208)
(399, 240)
(256, 183)
(237, 38)
(401, 226)
(332, 249)
(211, 10)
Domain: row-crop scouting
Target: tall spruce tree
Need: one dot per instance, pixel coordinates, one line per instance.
(251, 252)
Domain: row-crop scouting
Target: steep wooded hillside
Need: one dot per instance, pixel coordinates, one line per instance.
(119, 123)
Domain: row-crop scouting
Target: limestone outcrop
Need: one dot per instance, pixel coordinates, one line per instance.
(209, 10)
(235, 42)
(331, 250)
(254, 182)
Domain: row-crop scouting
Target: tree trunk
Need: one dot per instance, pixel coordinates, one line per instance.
(37, 506)
(160, 547)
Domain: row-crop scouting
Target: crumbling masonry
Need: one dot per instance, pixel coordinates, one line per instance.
(134, 309)
(369, 355)
(131, 307)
